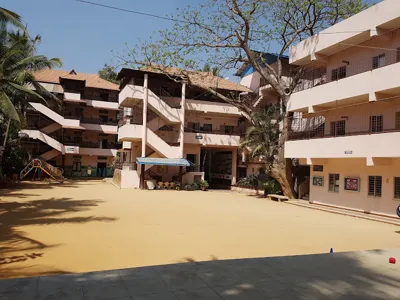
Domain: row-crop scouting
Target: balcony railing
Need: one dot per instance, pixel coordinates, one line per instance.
(110, 121)
(94, 145)
(234, 131)
(318, 127)
(319, 75)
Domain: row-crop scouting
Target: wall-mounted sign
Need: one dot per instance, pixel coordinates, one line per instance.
(318, 181)
(199, 137)
(348, 152)
(352, 184)
(318, 168)
(72, 150)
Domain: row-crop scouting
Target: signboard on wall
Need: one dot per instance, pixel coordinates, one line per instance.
(199, 137)
(352, 184)
(318, 181)
(71, 150)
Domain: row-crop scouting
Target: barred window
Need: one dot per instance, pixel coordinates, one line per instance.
(376, 123)
(339, 73)
(378, 61)
(397, 187)
(397, 120)
(333, 183)
(375, 186)
(338, 128)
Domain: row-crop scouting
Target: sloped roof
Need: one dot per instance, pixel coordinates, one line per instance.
(195, 78)
(269, 59)
(92, 80)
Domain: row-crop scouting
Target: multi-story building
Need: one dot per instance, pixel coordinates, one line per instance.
(80, 134)
(265, 96)
(167, 117)
(348, 101)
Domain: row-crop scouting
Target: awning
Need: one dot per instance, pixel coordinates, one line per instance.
(163, 161)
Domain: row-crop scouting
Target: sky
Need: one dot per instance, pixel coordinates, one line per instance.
(83, 35)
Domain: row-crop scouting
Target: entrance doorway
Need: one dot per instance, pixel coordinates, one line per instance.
(192, 159)
(217, 167)
(101, 169)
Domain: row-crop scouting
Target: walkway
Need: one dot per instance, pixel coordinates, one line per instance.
(348, 275)
(346, 212)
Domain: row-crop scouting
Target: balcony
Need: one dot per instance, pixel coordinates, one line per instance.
(383, 16)
(359, 81)
(203, 106)
(356, 137)
(213, 138)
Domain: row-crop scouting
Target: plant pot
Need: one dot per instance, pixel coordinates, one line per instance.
(178, 188)
(203, 188)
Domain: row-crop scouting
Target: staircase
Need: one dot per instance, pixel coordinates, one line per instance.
(38, 135)
(69, 123)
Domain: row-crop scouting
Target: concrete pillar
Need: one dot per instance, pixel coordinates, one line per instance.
(145, 101)
(182, 128)
(234, 166)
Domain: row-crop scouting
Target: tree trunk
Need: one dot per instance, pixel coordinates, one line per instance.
(7, 130)
(283, 174)
(282, 169)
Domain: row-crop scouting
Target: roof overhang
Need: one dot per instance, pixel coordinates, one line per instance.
(177, 162)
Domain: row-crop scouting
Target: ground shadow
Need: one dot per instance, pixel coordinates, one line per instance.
(351, 275)
(16, 246)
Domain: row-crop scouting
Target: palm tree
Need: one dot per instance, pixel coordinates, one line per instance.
(17, 64)
(262, 138)
(10, 17)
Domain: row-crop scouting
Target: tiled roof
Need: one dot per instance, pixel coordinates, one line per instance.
(92, 80)
(203, 79)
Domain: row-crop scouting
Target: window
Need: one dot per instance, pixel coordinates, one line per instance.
(378, 61)
(207, 128)
(398, 55)
(338, 128)
(339, 73)
(376, 124)
(333, 183)
(375, 186)
(228, 129)
(76, 166)
(397, 120)
(397, 187)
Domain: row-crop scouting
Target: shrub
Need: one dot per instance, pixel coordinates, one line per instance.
(196, 185)
(249, 181)
(204, 183)
(188, 187)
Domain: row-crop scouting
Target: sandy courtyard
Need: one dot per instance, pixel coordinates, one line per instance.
(91, 225)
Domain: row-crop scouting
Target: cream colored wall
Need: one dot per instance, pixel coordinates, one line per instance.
(358, 117)
(86, 160)
(357, 200)
(357, 27)
(215, 120)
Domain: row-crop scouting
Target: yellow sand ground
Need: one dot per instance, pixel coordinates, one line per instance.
(91, 225)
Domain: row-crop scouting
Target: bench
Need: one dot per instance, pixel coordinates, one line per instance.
(278, 197)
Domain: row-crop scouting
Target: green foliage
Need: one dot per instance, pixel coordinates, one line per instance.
(189, 187)
(18, 61)
(108, 73)
(271, 186)
(251, 181)
(262, 138)
(204, 184)
(196, 185)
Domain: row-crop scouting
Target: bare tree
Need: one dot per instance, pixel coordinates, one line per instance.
(226, 33)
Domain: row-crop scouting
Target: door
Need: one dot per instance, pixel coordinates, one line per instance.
(101, 169)
(104, 144)
(192, 159)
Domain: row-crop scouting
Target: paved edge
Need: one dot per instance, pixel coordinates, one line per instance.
(344, 212)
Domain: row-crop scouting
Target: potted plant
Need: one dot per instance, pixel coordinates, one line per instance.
(188, 187)
(177, 186)
(204, 185)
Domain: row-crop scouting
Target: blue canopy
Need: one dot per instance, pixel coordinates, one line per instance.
(163, 161)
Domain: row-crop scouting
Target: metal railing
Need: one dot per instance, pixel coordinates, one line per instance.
(235, 131)
(94, 144)
(320, 75)
(320, 127)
